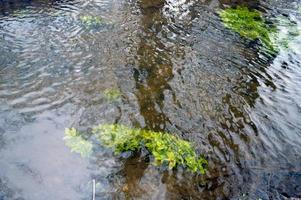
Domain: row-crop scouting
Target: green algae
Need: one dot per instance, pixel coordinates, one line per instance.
(112, 94)
(249, 24)
(76, 143)
(164, 147)
(89, 20)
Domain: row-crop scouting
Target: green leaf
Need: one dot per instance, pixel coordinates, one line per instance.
(76, 143)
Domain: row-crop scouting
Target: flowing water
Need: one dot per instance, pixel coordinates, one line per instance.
(178, 69)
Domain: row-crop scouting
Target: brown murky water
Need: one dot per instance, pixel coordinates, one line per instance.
(178, 69)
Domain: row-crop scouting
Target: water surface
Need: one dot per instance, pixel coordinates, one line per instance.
(178, 69)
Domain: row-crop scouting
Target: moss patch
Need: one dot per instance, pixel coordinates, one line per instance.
(112, 94)
(248, 23)
(76, 143)
(164, 147)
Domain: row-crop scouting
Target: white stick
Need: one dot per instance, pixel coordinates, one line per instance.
(93, 197)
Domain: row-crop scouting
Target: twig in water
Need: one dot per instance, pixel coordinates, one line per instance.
(93, 197)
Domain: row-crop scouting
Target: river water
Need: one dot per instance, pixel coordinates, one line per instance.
(178, 69)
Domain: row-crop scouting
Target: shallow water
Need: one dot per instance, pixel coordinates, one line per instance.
(178, 69)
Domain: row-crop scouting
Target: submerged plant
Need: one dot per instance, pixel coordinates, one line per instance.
(287, 31)
(164, 147)
(112, 94)
(21, 13)
(76, 143)
(90, 20)
(249, 24)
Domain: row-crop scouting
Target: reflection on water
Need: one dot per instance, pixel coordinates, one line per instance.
(176, 68)
(154, 68)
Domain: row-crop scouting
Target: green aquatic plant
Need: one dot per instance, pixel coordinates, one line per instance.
(249, 24)
(90, 20)
(287, 31)
(21, 13)
(118, 137)
(76, 143)
(112, 94)
(164, 147)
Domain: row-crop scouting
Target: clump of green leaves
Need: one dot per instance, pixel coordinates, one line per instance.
(90, 20)
(112, 94)
(248, 23)
(165, 148)
(76, 143)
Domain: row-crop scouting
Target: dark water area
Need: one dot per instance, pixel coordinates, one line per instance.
(179, 70)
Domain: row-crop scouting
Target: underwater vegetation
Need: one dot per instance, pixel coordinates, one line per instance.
(89, 20)
(249, 24)
(112, 94)
(76, 143)
(21, 13)
(164, 147)
(287, 31)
